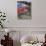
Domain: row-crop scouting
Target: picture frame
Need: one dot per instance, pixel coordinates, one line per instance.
(24, 9)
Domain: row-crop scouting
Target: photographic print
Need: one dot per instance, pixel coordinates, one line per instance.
(24, 9)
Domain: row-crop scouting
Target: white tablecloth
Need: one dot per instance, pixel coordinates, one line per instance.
(26, 44)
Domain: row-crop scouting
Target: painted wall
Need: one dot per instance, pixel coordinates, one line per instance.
(38, 14)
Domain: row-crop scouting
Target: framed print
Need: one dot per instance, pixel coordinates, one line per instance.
(24, 9)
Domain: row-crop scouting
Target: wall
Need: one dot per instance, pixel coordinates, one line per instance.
(38, 14)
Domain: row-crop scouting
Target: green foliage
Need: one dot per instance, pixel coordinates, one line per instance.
(2, 18)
